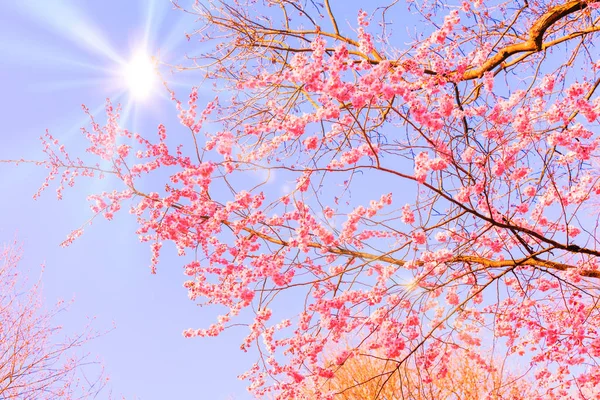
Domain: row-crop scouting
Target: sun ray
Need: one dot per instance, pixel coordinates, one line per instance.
(68, 84)
(152, 21)
(68, 22)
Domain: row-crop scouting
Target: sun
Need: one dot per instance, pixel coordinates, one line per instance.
(139, 75)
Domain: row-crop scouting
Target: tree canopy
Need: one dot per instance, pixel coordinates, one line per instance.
(406, 182)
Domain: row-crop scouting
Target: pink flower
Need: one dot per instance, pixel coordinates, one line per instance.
(441, 237)
(421, 166)
(311, 143)
(408, 217)
(419, 237)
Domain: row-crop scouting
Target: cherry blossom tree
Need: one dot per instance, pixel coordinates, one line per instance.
(410, 191)
(35, 362)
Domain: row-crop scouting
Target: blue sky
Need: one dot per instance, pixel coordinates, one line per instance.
(56, 55)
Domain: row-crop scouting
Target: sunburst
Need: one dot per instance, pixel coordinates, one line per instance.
(139, 75)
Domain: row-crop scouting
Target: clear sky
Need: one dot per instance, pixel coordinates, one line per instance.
(56, 55)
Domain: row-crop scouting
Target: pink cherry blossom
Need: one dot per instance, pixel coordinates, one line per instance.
(429, 196)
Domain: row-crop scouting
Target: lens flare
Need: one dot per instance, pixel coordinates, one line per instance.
(139, 75)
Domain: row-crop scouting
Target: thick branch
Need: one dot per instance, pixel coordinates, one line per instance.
(529, 261)
(536, 37)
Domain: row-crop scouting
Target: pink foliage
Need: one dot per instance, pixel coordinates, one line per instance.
(490, 143)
